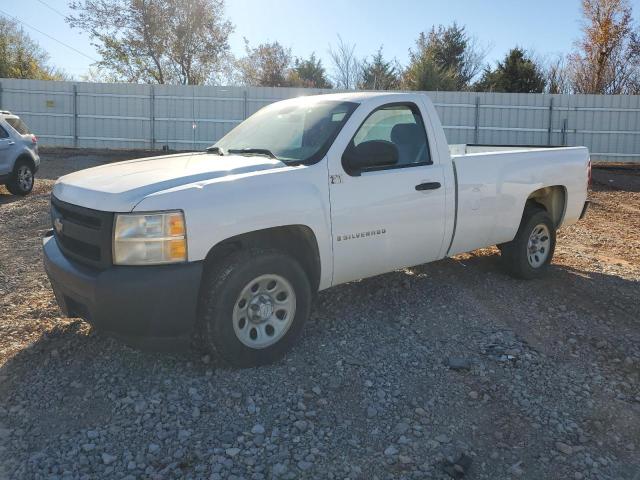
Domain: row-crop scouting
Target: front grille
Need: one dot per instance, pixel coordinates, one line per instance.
(83, 234)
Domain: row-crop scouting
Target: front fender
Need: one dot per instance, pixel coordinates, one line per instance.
(230, 206)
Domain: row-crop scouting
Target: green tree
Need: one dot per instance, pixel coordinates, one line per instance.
(267, 65)
(447, 58)
(379, 74)
(308, 73)
(21, 57)
(517, 73)
(156, 41)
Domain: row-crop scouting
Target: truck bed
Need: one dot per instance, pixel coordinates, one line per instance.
(493, 186)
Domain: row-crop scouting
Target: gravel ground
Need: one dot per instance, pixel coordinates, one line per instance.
(447, 370)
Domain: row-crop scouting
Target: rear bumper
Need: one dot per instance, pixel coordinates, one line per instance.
(584, 209)
(152, 306)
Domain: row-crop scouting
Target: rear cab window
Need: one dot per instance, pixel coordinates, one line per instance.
(18, 125)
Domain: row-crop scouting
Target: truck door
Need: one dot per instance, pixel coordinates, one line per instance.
(386, 216)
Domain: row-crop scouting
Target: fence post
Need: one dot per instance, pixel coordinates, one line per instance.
(152, 117)
(565, 123)
(75, 115)
(244, 95)
(550, 121)
(0, 95)
(476, 136)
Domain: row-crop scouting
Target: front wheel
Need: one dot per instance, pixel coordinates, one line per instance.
(529, 254)
(22, 178)
(253, 306)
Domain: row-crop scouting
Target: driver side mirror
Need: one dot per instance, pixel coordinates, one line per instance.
(373, 153)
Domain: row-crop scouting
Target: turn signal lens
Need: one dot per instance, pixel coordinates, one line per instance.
(176, 225)
(177, 250)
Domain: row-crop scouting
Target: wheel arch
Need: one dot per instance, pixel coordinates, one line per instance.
(299, 241)
(24, 156)
(553, 199)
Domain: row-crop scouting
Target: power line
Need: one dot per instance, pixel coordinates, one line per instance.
(48, 36)
(52, 9)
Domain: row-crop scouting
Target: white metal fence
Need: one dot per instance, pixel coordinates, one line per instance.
(101, 115)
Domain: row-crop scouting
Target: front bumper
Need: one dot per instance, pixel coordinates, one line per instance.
(151, 306)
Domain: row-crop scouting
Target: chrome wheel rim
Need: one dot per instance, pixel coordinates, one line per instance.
(538, 245)
(25, 178)
(264, 311)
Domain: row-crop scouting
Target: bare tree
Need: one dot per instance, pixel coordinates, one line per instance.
(157, 41)
(472, 60)
(346, 65)
(557, 75)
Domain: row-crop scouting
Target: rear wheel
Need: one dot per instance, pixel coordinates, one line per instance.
(22, 178)
(529, 254)
(253, 306)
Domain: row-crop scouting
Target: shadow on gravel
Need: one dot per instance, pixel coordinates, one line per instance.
(617, 177)
(374, 351)
(6, 197)
(568, 288)
(584, 290)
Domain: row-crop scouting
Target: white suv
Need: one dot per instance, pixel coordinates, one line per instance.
(19, 158)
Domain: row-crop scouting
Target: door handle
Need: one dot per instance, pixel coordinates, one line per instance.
(428, 186)
(12, 143)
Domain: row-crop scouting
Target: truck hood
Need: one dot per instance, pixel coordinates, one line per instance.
(120, 186)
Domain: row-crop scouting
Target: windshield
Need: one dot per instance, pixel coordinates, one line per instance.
(292, 132)
(18, 125)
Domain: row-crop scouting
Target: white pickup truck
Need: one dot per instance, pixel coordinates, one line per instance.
(233, 243)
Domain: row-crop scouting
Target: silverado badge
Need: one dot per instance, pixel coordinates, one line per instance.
(370, 233)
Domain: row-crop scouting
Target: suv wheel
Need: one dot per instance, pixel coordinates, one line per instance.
(22, 178)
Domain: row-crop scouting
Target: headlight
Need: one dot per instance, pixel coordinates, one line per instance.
(149, 238)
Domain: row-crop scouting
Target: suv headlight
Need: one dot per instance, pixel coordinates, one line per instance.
(149, 238)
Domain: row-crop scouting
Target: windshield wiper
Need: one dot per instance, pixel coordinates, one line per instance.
(214, 149)
(252, 151)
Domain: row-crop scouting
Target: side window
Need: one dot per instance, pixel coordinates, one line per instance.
(18, 125)
(402, 126)
(3, 133)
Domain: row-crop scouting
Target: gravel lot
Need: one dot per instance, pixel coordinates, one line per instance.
(448, 370)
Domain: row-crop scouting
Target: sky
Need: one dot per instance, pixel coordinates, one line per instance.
(549, 27)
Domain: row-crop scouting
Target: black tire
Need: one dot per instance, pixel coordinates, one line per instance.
(16, 184)
(515, 254)
(222, 285)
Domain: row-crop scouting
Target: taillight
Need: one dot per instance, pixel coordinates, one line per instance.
(34, 139)
(589, 174)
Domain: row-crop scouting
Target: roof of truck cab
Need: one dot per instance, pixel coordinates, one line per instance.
(358, 97)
